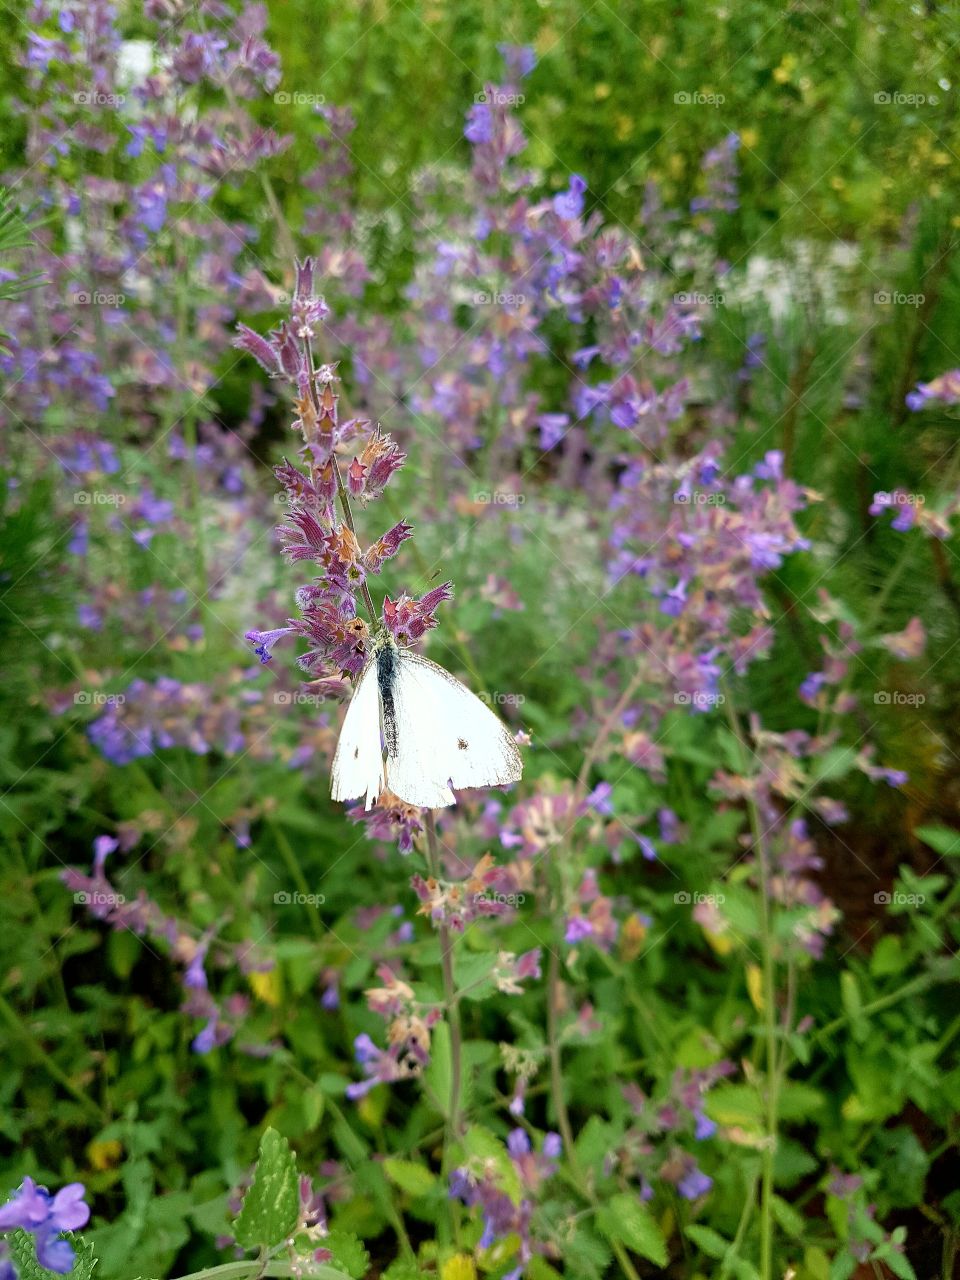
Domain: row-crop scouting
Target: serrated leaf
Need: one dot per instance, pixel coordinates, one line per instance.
(627, 1220)
(439, 1074)
(272, 1204)
(24, 1254)
(403, 1269)
(415, 1179)
(348, 1253)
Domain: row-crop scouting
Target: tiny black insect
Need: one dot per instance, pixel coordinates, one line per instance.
(462, 744)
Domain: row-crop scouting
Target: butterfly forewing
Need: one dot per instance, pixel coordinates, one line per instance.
(446, 737)
(358, 763)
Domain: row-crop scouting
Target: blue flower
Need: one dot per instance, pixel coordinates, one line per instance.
(569, 204)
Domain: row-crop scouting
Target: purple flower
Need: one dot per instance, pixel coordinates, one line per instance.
(33, 1209)
(703, 1126)
(694, 1183)
(479, 126)
(263, 641)
(569, 204)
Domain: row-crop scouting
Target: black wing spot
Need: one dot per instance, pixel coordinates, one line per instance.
(356, 753)
(462, 744)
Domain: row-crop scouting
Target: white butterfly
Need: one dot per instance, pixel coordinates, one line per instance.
(437, 734)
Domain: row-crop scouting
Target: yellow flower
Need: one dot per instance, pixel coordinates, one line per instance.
(104, 1155)
(749, 138)
(266, 986)
(601, 91)
(459, 1267)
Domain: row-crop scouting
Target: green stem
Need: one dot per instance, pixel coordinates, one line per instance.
(453, 1120)
(769, 990)
(251, 1267)
(560, 1107)
(296, 871)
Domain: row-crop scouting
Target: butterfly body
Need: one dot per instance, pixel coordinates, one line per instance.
(435, 733)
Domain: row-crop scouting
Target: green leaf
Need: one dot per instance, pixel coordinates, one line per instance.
(28, 1268)
(438, 1076)
(792, 1222)
(487, 1148)
(415, 1179)
(272, 1204)
(348, 1253)
(707, 1240)
(943, 839)
(403, 1269)
(627, 1220)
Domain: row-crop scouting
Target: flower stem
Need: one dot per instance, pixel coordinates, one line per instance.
(769, 991)
(453, 1119)
(560, 1106)
(248, 1268)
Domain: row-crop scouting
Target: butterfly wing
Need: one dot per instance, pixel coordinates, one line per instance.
(446, 737)
(358, 764)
